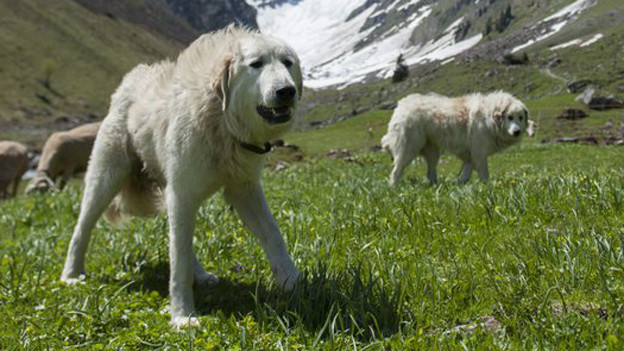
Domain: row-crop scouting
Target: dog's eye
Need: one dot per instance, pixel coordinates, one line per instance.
(256, 64)
(288, 63)
(520, 118)
(510, 118)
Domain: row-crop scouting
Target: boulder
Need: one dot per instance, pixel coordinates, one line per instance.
(599, 103)
(554, 62)
(576, 86)
(513, 60)
(572, 114)
(388, 105)
(575, 140)
(586, 96)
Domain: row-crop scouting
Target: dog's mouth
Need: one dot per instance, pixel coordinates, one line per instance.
(275, 115)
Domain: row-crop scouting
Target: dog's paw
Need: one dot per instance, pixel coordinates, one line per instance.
(73, 280)
(185, 322)
(286, 279)
(205, 279)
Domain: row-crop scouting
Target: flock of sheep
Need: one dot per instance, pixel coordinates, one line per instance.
(64, 154)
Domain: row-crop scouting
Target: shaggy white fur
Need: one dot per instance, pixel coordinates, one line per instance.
(176, 133)
(472, 127)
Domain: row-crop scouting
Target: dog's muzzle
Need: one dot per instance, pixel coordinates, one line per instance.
(282, 113)
(275, 115)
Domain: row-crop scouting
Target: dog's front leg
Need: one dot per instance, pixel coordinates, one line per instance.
(481, 165)
(249, 202)
(181, 209)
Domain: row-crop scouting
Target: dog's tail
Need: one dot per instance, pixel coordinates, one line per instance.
(139, 197)
(387, 141)
(391, 142)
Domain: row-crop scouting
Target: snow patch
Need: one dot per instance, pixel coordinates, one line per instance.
(592, 40)
(561, 18)
(579, 42)
(567, 44)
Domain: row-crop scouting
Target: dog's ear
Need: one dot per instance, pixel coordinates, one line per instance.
(223, 90)
(500, 111)
(299, 82)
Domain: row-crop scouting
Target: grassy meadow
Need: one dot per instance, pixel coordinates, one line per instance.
(532, 260)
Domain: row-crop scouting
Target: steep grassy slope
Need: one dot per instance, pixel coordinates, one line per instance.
(58, 58)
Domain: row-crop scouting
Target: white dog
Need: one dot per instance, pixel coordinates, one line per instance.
(472, 127)
(176, 133)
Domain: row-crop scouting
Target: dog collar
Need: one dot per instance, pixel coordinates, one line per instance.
(256, 149)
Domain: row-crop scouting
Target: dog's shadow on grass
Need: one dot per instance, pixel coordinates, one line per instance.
(323, 302)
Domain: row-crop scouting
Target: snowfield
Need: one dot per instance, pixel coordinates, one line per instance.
(328, 36)
(325, 38)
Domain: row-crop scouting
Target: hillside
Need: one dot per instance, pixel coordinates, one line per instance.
(61, 61)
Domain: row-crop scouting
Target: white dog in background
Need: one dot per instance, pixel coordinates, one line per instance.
(176, 133)
(472, 127)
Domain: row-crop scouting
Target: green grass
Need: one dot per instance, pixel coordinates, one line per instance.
(540, 249)
(355, 133)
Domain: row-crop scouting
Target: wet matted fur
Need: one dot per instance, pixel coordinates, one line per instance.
(176, 133)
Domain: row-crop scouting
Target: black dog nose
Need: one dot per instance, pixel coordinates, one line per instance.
(286, 93)
(516, 133)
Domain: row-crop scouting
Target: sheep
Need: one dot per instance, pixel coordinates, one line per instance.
(13, 165)
(64, 154)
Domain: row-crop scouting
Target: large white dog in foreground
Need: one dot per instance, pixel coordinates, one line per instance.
(472, 127)
(176, 133)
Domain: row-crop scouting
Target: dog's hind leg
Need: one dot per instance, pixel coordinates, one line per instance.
(465, 173)
(249, 202)
(200, 276)
(405, 151)
(108, 169)
(481, 165)
(432, 156)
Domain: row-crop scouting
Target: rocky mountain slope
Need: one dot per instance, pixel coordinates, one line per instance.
(209, 15)
(61, 59)
(358, 41)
